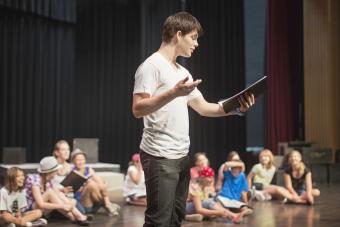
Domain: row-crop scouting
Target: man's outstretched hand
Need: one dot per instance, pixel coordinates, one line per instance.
(246, 101)
(183, 88)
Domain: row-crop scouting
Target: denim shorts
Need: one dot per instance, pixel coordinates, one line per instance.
(300, 191)
(207, 204)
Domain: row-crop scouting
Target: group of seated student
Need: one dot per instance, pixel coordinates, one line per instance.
(25, 200)
(229, 197)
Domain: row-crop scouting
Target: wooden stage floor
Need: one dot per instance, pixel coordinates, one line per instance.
(325, 212)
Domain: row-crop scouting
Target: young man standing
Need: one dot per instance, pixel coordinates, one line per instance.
(162, 92)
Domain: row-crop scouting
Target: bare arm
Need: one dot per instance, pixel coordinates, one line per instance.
(249, 178)
(308, 182)
(207, 109)
(244, 197)
(288, 184)
(204, 108)
(232, 164)
(219, 178)
(143, 104)
(135, 176)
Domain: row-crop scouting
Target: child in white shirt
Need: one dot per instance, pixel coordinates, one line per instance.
(13, 202)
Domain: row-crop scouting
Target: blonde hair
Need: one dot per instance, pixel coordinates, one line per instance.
(268, 153)
(11, 179)
(301, 168)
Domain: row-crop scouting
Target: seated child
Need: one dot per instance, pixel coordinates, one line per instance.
(94, 192)
(201, 161)
(61, 152)
(42, 193)
(232, 160)
(298, 180)
(235, 186)
(199, 204)
(134, 189)
(13, 202)
(261, 176)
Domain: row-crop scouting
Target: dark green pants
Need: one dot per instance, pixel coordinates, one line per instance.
(167, 184)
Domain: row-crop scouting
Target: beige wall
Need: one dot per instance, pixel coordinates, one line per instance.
(322, 72)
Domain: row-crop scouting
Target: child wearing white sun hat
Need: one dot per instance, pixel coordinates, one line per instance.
(42, 194)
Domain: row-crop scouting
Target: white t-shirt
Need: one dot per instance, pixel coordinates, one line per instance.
(12, 202)
(166, 131)
(263, 175)
(130, 188)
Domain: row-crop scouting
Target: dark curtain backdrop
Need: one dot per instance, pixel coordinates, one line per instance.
(107, 55)
(153, 15)
(68, 81)
(61, 10)
(37, 69)
(219, 61)
(285, 70)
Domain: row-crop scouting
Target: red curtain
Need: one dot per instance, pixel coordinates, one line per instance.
(284, 66)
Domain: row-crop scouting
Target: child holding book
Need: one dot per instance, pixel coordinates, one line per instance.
(94, 192)
(298, 180)
(43, 194)
(134, 189)
(235, 186)
(13, 202)
(260, 178)
(199, 204)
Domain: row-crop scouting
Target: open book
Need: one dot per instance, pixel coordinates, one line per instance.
(75, 180)
(257, 88)
(230, 203)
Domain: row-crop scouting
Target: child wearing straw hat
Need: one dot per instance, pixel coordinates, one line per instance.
(42, 194)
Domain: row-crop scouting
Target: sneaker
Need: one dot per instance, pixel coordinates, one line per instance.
(115, 205)
(111, 210)
(39, 222)
(267, 196)
(10, 225)
(194, 217)
(259, 196)
(247, 212)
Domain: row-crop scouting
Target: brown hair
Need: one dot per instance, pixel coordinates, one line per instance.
(11, 179)
(231, 155)
(181, 21)
(199, 154)
(268, 153)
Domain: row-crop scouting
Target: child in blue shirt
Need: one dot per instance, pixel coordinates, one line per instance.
(235, 186)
